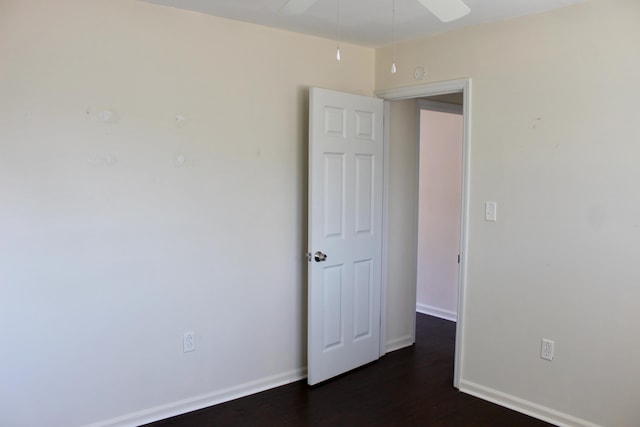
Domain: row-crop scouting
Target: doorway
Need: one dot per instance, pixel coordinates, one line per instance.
(394, 260)
(439, 204)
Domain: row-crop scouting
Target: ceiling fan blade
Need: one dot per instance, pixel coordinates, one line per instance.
(296, 7)
(446, 10)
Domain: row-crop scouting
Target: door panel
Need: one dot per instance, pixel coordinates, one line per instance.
(333, 195)
(345, 223)
(332, 307)
(362, 300)
(364, 194)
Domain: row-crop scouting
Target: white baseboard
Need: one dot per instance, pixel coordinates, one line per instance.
(399, 343)
(524, 406)
(205, 400)
(436, 312)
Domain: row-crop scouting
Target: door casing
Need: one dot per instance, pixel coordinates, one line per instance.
(419, 91)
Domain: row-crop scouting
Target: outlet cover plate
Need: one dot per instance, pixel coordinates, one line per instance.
(490, 211)
(188, 342)
(547, 349)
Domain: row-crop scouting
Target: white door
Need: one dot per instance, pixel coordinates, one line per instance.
(345, 232)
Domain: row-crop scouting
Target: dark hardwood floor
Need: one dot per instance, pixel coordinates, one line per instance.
(408, 387)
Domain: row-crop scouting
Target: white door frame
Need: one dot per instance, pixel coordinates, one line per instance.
(411, 92)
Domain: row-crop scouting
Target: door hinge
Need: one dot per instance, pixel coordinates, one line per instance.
(458, 258)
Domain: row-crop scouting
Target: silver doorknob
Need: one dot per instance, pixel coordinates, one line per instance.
(319, 256)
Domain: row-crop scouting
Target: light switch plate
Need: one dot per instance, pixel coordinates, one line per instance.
(490, 211)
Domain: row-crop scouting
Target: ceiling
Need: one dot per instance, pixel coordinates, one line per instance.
(364, 22)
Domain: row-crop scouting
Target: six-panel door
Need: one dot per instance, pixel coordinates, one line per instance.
(345, 224)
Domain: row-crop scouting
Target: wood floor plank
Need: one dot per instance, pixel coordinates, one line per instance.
(408, 387)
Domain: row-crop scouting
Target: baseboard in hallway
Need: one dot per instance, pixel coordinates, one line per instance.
(436, 312)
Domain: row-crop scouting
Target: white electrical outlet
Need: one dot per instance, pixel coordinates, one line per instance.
(547, 349)
(490, 211)
(188, 342)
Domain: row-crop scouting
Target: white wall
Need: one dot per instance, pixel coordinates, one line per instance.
(439, 195)
(112, 245)
(554, 141)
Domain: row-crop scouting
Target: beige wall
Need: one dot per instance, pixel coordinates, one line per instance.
(403, 209)
(117, 237)
(554, 142)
